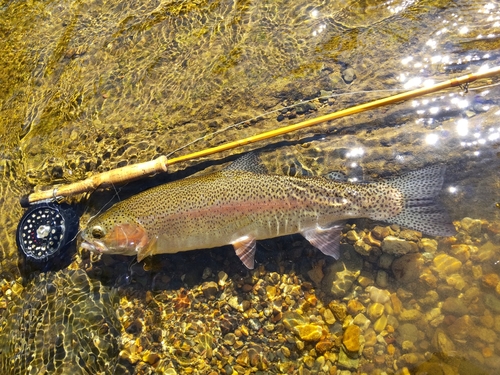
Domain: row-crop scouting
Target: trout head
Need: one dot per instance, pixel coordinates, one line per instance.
(110, 235)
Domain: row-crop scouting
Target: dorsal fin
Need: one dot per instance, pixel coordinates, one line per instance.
(247, 163)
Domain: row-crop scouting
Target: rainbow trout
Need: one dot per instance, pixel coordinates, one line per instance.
(241, 204)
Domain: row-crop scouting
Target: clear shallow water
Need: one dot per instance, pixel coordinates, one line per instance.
(89, 87)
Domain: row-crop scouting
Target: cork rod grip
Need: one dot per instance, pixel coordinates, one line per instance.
(115, 176)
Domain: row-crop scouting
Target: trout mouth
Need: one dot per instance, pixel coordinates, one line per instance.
(94, 246)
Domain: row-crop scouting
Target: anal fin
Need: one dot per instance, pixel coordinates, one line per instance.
(325, 239)
(245, 249)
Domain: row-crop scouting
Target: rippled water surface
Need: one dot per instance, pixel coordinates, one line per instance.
(90, 86)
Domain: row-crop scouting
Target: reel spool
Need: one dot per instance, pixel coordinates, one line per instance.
(46, 230)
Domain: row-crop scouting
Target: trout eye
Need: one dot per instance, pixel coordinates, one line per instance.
(97, 232)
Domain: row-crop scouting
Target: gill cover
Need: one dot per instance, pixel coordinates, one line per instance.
(124, 238)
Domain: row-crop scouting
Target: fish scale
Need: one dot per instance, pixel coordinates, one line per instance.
(241, 204)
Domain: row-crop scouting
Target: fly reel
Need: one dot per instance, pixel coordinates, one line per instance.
(46, 230)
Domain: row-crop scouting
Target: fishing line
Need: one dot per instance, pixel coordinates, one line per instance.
(280, 110)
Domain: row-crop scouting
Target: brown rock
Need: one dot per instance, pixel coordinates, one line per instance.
(309, 332)
(354, 307)
(490, 280)
(407, 268)
(323, 346)
(351, 338)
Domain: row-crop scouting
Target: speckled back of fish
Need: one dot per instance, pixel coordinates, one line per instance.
(241, 204)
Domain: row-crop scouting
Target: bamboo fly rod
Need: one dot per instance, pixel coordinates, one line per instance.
(160, 164)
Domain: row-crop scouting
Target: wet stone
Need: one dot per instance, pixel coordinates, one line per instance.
(378, 295)
(380, 324)
(347, 362)
(348, 75)
(323, 346)
(355, 307)
(442, 343)
(351, 339)
(328, 316)
(429, 245)
(446, 265)
(471, 226)
(340, 276)
(339, 310)
(385, 261)
(362, 321)
(407, 332)
(492, 302)
(410, 315)
(410, 235)
(454, 306)
(292, 319)
(382, 279)
(209, 289)
(309, 332)
(407, 268)
(398, 246)
(375, 310)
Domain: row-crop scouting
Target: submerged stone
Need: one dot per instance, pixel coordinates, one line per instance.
(340, 276)
(51, 322)
(378, 295)
(454, 306)
(398, 246)
(446, 265)
(351, 339)
(309, 332)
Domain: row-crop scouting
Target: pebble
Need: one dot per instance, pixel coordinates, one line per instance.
(362, 248)
(429, 245)
(209, 289)
(407, 268)
(410, 315)
(398, 246)
(454, 306)
(471, 226)
(339, 310)
(291, 319)
(442, 343)
(382, 279)
(410, 235)
(385, 261)
(347, 362)
(348, 75)
(492, 302)
(323, 346)
(397, 305)
(340, 276)
(446, 265)
(350, 339)
(456, 281)
(328, 316)
(486, 252)
(354, 307)
(362, 321)
(378, 295)
(380, 324)
(375, 310)
(407, 332)
(309, 332)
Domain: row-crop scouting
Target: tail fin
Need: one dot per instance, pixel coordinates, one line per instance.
(421, 210)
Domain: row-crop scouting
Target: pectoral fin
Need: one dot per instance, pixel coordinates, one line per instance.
(245, 249)
(147, 250)
(325, 239)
